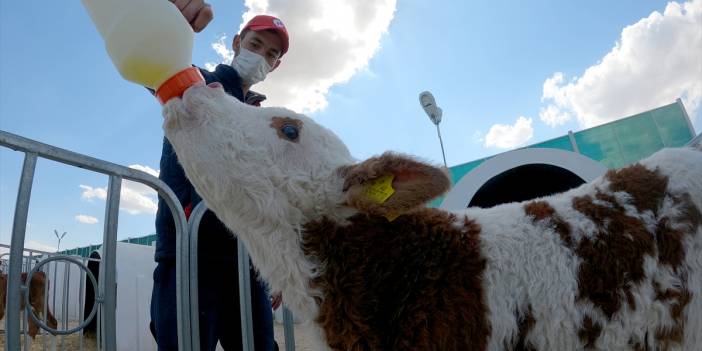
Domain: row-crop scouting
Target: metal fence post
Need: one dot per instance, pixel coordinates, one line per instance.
(108, 278)
(193, 227)
(19, 226)
(245, 298)
(289, 330)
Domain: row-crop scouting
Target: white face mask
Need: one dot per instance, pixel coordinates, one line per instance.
(252, 68)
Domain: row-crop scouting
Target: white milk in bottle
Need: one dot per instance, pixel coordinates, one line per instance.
(149, 41)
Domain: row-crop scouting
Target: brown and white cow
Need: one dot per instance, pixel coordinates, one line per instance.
(615, 264)
(37, 287)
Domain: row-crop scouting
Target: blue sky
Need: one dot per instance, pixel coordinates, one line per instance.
(505, 74)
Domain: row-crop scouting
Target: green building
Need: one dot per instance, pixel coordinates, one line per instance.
(559, 164)
(148, 240)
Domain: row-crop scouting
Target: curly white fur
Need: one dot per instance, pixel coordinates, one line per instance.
(265, 188)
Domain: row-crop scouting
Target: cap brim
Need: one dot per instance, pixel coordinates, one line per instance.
(281, 33)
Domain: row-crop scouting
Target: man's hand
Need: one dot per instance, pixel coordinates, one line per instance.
(197, 12)
(276, 300)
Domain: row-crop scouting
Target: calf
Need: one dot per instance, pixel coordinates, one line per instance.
(37, 287)
(615, 264)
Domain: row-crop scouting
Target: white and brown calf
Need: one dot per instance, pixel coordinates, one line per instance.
(615, 264)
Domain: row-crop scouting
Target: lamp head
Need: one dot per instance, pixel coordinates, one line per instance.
(426, 99)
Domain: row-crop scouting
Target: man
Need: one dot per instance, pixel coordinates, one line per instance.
(258, 49)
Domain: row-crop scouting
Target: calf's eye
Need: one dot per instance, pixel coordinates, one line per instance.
(287, 128)
(290, 131)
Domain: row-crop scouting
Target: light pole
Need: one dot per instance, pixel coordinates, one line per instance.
(59, 239)
(426, 99)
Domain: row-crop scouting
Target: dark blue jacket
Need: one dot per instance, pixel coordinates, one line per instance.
(215, 241)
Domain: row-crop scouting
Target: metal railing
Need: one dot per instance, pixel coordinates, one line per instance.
(106, 292)
(58, 281)
(245, 309)
(105, 296)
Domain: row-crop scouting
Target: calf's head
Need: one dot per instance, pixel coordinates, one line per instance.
(266, 172)
(274, 166)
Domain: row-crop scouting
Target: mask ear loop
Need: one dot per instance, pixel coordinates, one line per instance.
(236, 53)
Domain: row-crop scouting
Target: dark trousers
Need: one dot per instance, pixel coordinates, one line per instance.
(218, 300)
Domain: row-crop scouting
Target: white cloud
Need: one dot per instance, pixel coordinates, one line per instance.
(138, 187)
(146, 169)
(136, 198)
(135, 203)
(90, 193)
(330, 41)
(655, 61)
(86, 219)
(506, 136)
(222, 48)
(553, 116)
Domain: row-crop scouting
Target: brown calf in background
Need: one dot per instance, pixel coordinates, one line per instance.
(37, 286)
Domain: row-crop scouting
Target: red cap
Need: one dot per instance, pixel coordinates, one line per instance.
(264, 22)
(176, 85)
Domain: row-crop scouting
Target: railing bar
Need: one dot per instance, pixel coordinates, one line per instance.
(99, 325)
(46, 305)
(53, 296)
(109, 251)
(25, 316)
(184, 320)
(64, 303)
(194, 225)
(54, 153)
(35, 148)
(19, 227)
(81, 303)
(25, 320)
(245, 298)
(57, 154)
(288, 329)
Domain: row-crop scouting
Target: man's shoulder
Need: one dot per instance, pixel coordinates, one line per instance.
(227, 76)
(222, 74)
(230, 80)
(208, 75)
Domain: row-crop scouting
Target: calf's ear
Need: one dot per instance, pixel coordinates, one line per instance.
(392, 184)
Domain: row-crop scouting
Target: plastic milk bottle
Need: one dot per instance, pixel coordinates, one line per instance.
(150, 43)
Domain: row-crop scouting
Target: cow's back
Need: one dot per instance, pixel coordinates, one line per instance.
(614, 264)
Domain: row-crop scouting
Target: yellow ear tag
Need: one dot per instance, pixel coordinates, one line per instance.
(380, 189)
